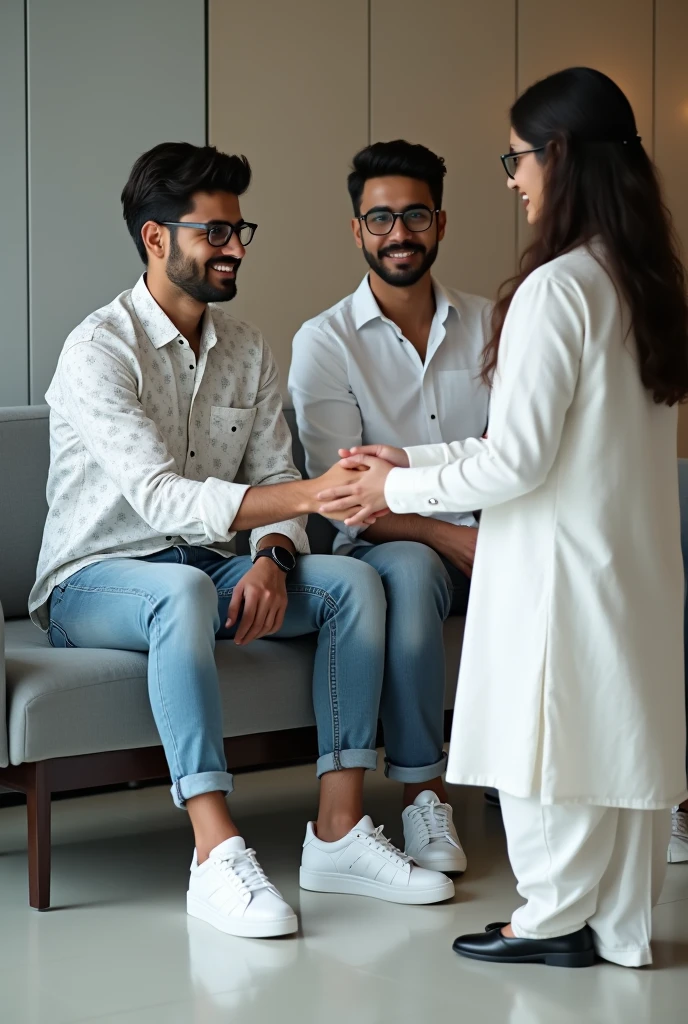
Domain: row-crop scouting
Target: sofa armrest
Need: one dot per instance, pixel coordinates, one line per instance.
(4, 751)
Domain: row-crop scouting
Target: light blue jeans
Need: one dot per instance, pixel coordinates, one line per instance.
(422, 590)
(174, 605)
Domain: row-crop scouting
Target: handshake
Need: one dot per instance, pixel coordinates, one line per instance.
(353, 491)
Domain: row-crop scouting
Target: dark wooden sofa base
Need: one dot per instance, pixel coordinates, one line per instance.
(40, 779)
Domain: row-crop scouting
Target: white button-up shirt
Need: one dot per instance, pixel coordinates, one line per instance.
(355, 379)
(151, 447)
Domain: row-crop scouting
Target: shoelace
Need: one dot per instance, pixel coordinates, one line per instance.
(434, 821)
(679, 824)
(244, 871)
(386, 846)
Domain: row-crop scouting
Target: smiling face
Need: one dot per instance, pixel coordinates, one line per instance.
(402, 257)
(529, 179)
(205, 272)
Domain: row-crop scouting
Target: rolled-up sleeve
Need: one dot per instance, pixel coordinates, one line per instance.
(99, 390)
(268, 456)
(537, 375)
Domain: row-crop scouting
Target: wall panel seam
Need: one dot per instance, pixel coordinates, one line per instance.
(654, 79)
(27, 207)
(517, 72)
(370, 72)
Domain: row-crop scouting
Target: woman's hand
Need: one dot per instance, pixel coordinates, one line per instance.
(338, 479)
(365, 489)
(351, 457)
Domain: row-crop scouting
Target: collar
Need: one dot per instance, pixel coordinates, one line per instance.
(156, 323)
(365, 307)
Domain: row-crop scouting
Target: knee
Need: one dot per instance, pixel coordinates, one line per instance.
(187, 593)
(413, 567)
(357, 586)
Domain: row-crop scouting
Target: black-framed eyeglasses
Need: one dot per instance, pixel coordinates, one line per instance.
(380, 220)
(219, 232)
(510, 160)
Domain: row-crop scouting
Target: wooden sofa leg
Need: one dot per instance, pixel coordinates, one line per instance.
(38, 818)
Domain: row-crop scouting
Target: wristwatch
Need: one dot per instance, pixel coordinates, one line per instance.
(282, 557)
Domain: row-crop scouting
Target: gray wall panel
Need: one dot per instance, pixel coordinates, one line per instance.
(106, 82)
(13, 285)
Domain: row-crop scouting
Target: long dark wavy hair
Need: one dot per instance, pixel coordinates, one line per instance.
(599, 181)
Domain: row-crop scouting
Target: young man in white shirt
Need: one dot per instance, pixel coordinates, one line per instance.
(399, 360)
(167, 437)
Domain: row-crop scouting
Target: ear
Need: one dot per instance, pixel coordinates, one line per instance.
(441, 224)
(356, 228)
(155, 239)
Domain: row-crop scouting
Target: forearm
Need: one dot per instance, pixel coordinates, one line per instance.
(405, 527)
(273, 503)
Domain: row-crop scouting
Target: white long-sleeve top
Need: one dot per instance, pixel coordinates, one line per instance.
(571, 679)
(151, 447)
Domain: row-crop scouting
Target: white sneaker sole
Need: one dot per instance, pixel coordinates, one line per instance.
(351, 885)
(678, 851)
(239, 925)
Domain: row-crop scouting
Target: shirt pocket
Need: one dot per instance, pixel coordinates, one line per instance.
(232, 427)
(463, 404)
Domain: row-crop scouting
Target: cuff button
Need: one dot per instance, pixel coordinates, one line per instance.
(433, 501)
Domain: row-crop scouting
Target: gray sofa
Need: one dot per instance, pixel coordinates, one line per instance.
(79, 718)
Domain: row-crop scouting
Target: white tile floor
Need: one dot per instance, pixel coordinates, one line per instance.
(118, 949)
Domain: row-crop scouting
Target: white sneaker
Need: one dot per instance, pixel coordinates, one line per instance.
(678, 844)
(231, 891)
(365, 863)
(429, 835)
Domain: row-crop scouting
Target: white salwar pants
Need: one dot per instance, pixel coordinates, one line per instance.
(579, 864)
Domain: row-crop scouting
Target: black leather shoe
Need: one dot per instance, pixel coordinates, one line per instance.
(576, 950)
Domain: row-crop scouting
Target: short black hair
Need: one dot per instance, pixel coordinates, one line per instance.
(396, 158)
(164, 180)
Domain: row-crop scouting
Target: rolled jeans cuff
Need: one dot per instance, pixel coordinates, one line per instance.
(346, 759)
(422, 774)
(204, 782)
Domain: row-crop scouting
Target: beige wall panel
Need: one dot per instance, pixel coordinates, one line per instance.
(671, 128)
(614, 36)
(443, 74)
(288, 86)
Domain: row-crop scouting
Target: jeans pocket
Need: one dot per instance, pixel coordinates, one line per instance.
(57, 637)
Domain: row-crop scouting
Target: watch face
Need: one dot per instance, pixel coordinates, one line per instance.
(284, 558)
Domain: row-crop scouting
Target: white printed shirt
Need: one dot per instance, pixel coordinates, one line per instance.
(150, 447)
(355, 379)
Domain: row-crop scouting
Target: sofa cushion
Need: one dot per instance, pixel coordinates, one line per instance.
(80, 701)
(24, 456)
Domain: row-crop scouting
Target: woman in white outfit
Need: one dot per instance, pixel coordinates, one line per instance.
(570, 697)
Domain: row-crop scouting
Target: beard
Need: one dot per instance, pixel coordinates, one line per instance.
(192, 277)
(402, 276)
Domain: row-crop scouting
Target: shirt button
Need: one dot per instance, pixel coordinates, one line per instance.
(191, 366)
(433, 417)
(234, 430)
(168, 538)
(192, 454)
(180, 340)
(433, 501)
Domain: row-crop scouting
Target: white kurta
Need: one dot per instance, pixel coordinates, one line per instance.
(571, 680)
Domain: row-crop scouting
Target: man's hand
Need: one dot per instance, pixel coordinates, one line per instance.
(263, 593)
(339, 479)
(363, 489)
(457, 544)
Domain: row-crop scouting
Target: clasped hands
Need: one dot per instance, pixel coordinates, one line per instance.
(359, 500)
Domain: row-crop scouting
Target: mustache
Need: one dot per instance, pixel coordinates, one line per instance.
(411, 247)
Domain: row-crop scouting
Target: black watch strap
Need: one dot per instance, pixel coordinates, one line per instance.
(282, 557)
